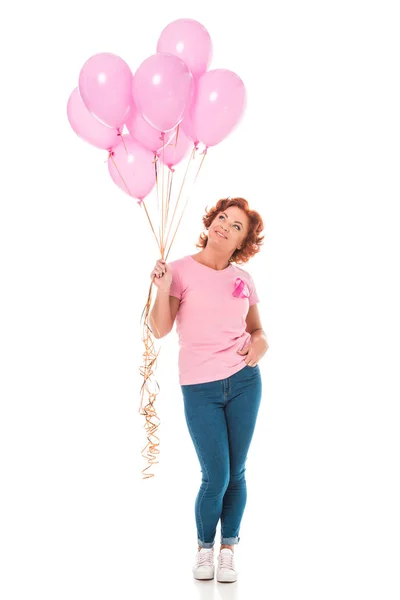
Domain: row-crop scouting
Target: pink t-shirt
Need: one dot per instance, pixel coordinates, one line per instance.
(211, 320)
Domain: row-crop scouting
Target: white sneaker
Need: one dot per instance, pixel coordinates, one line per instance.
(204, 567)
(226, 566)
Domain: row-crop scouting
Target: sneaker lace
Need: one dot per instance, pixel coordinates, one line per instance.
(226, 560)
(205, 558)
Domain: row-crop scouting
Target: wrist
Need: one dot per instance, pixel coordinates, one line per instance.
(257, 334)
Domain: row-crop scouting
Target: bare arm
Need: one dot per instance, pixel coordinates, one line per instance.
(163, 313)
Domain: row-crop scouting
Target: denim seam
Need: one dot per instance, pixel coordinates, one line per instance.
(208, 480)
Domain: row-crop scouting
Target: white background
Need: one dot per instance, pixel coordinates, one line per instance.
(317, 154)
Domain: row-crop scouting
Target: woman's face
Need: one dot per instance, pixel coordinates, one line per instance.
(233, 224)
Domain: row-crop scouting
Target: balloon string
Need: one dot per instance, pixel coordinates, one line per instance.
(191, 157)
(187, 199)
(170, 174)
(169, 186)
(162, 188)
(157, 190)
(142, 203)
(177, 135)
(176, 141)
(201, 164)
(151, 224)
(169, 179)
(123, 141)
(119, 172)
(151, 451)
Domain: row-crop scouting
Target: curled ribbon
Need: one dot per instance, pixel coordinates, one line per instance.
(241, 290)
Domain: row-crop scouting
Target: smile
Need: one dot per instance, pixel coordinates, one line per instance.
(220, 235)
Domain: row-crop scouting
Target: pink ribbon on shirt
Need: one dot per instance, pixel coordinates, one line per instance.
(241, 290)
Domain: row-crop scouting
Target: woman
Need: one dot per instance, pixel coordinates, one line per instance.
(221, 342)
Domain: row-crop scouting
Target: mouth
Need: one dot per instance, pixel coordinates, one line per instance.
(220, 234)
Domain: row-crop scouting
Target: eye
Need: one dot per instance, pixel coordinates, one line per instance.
(223, 217)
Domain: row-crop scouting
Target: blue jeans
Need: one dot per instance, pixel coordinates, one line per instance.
(221, 417)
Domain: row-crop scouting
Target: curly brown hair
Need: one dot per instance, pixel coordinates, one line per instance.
(253, 240)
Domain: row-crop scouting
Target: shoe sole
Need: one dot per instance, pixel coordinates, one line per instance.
(226, 579)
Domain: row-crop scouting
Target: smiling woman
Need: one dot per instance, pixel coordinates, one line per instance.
(242, 227)
(221, 340)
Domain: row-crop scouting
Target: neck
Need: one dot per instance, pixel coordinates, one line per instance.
(213, 260)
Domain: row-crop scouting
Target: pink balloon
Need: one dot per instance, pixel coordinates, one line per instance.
(187, 125)
(144, 133)
(188, 128)
(176, 150)
(189, 40)
(87, 126)
(218, 106)
(162, 87)
(131, 167)
(105, 84)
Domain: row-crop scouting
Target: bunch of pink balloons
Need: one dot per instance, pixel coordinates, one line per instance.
(170, 89)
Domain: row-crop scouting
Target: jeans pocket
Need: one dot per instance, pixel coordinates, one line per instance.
(255, 368)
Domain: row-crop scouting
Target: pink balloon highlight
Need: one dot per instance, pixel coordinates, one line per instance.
(189, 40)
(176, 149)
(162, 87)
(87, 126)
(105, 84)
(143, 132)
(218, 106)
(131, 167)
